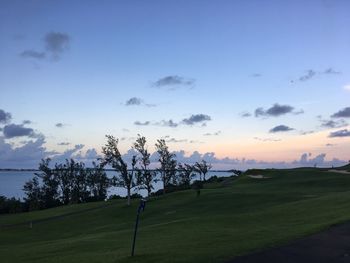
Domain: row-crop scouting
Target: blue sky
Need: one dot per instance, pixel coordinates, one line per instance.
(227, 58)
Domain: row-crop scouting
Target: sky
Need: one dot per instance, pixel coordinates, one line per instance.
(238, 83)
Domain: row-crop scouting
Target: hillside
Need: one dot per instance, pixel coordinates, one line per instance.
(229, 218)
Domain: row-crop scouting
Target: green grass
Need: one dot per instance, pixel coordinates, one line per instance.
(231, 218)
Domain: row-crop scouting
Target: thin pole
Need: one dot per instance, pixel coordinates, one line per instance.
(136, 225)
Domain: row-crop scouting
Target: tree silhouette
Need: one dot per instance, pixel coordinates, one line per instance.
(185, 174)
(202, 168)
(113, 157)
(145, 177)
(168, 163)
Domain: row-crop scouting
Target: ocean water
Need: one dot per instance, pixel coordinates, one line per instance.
(11, 183)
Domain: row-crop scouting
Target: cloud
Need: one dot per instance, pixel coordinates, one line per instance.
(196, 118)
(56, 43)
(331, 71)
(5, 117)
(245, 114)
(60, 125)
(133, 101)
(173, 82)
(309, 75)
(340, 133)
(173, 140)
(274, 111)
(63, 143)
(212, 134)
(167, 123)
(256, 75)
(146, 123)
(333, 124)
(17, 130)
(26, 122)
(267, 139)
(347, 87)
(32, 54)
(344, 113)
(330, 144)
(306, 132)
(280, 128)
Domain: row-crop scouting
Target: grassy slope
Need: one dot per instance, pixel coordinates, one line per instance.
(228, 219)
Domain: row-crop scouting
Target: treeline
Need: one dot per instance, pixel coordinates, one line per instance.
(71, 182)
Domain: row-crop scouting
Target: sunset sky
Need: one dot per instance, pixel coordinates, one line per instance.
(239, 83)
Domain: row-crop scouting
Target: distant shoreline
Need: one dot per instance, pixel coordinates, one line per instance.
(107, 170)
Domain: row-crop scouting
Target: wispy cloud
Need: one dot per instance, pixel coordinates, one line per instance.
(196, 118)
(173, 82)
(340, 133)
(280, 128)
(267, 139)
(63, 143)
(275, 111)
(60, 125)
(346, 87)
(343, 113)
(138, 123)
(333, 124)
(212, 134)
(32, 54)
(5, 117)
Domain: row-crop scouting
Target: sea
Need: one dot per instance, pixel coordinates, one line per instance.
(12, 182)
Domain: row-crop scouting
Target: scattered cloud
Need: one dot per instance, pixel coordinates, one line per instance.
(343, 113)
(196, 118)
(331, 71)
(56, 43)
(280, 128)
(212, 134)
(63, 143)
(173, 140)
(26, 122)
(330, 144)
(340, 133)
(133, 101)
(267, 139)
(274, 111)
(347, 87)
(309, 75)
(60, 125)
(167, 123)
(245, 114)
(138, 123)
(17, 130)
(306, 132)
(32, 54)
(5, 117)
(301, 111)
(333, 124)
(173, 82)
(256, 75)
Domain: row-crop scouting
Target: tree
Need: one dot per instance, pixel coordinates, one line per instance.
(145, 176)
(202, 168)
(113, 157)
(168, 163)
(50, 181)
(185, 174)
(33, 194)
(97, 182)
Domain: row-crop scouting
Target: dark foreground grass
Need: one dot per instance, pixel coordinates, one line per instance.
(232, 218)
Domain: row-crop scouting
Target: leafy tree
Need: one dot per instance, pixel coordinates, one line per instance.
(49, 190)
(33, 194)
(145, 176)
(202, 168)
(185, 174)
(113, 157)
(168, 163)
(97, 182)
